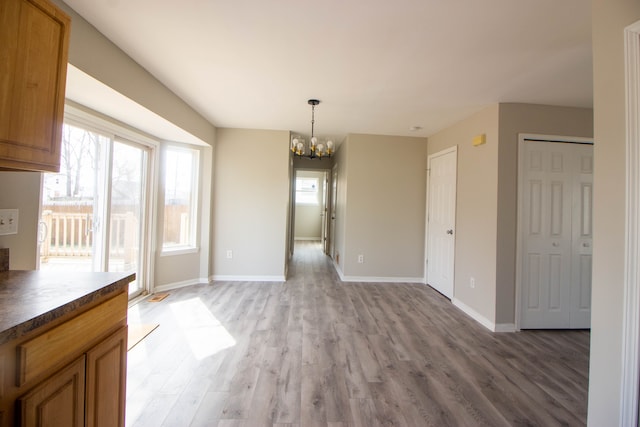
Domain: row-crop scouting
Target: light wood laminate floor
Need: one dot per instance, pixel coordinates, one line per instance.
(315, 351)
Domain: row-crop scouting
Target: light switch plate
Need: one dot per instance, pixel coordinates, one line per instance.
(8, 221)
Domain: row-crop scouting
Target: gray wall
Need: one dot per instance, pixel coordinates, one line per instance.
(610, 17)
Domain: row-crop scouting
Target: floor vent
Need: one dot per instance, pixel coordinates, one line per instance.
(158, 297)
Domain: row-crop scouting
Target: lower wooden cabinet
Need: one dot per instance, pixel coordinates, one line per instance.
(106, 382)
(57, 401)
(89, 392)
(69, 374)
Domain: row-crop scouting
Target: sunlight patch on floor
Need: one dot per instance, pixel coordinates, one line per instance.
(205, 334)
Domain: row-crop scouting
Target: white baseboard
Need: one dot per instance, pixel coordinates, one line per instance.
(370, 279)
(221, 278)
(338, 269)
(309, 239)
(493, 327)
(177, 285)
(230, 278)
(505, 327)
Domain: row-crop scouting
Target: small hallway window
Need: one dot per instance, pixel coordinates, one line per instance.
(307, 191)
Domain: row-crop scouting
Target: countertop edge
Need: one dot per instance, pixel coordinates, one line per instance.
(42, 319)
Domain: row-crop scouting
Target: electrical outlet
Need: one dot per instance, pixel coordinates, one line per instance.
(360, 259)
(229, 254)
(472, 282)
(8, 221)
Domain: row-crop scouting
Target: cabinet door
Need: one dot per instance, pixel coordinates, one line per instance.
(106, 381)
(34, 38)
(57, 401)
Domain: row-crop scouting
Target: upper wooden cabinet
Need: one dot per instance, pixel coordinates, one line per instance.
(34, 41)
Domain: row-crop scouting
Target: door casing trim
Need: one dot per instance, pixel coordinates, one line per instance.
(629, 393)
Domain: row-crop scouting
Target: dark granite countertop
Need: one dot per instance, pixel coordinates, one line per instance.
(30, 299)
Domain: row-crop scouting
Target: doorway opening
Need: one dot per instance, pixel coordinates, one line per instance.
(311, 207)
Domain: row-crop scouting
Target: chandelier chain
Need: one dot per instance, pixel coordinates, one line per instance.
(313, 117)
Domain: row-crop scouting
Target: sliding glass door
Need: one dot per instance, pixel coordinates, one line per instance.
(93, 215)
(126, 210)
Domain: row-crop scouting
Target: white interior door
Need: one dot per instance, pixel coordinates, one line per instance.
(332, 208)
(555, 227)
(441, 218)
(325, 213)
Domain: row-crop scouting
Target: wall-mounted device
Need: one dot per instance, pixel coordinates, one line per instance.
(8, 221)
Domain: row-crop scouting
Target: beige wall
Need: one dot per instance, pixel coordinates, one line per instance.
(610, 17)
(384, 211)
(476, 208)
(513, 120)
(21, 190)
(251, 199)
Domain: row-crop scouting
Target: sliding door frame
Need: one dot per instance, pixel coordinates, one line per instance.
(79, 116)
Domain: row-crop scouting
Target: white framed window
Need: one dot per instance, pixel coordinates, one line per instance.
(180, 176)
(307, 191)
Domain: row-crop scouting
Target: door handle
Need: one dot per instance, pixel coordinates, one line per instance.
(450, 231)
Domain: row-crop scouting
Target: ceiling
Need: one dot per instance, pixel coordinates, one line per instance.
(378, 66)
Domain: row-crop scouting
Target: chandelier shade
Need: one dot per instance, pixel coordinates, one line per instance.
(315, 149)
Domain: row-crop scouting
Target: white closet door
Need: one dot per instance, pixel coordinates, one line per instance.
(556, 235)
(582, 238)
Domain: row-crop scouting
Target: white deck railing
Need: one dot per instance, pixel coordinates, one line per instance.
(71, 235)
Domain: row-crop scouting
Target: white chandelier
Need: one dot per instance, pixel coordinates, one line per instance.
(315, 150)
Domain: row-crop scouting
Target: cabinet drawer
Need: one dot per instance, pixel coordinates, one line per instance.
(40, 354)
